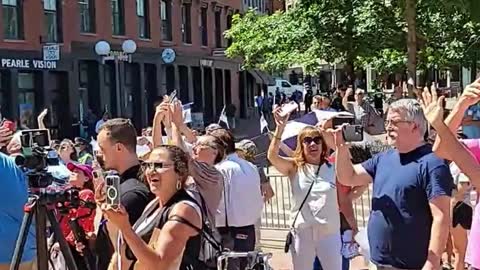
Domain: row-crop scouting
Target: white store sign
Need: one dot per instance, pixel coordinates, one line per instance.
(27, 63)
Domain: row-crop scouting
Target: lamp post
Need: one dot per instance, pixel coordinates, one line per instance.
(102, 48)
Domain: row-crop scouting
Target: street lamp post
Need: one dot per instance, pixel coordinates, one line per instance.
(102, 48)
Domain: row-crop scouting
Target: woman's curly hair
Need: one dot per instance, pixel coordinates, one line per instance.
(179, 159)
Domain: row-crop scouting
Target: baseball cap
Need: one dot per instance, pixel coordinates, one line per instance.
(86, 169)
(213, 127)
(248, 146)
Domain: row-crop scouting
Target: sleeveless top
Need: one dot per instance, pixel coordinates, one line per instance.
(321, 206)
(149, 226)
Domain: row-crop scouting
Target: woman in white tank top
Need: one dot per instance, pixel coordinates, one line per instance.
(316, 224)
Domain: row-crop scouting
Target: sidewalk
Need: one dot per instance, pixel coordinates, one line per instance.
(282, 261)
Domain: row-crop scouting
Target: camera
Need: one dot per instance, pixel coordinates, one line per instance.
(36, 152)
(112, 185)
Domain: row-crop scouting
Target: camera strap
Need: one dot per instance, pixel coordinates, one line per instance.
(306, 197)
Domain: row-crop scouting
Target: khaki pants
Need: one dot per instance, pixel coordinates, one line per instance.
(23, 266)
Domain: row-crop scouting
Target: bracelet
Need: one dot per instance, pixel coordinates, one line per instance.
(277, 137)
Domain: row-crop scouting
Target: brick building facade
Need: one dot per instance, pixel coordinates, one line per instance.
(79, 82)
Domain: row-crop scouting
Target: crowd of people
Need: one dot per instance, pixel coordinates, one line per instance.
(189, 186)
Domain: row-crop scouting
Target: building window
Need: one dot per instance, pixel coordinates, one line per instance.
(87, 16)
(166, 17)
(52, 21)
(186, 23)
(143, 19)
(218, 29)
(229, 25)
(204, 26)
(12, 19)
(26, 99)
(118, 23)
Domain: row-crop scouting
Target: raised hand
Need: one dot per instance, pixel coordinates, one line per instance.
(280, 120)
(5, 136)
(176, 112)
(432, 106)
(471, 94)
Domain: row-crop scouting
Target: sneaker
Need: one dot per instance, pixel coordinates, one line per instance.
(350, 250)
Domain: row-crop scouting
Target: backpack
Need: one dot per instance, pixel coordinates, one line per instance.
(210, 247)
(210, 244)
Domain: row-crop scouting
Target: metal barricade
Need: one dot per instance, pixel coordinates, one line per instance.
(276, 212)
(256, 260)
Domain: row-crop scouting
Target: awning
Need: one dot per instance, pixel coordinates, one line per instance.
(262, 77)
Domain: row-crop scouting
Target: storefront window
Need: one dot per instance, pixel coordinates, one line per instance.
(26, 100)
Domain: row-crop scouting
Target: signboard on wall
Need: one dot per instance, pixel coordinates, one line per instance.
(27, 63)
(51, 52)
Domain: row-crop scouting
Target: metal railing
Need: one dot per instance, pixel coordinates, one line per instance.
(276, 212)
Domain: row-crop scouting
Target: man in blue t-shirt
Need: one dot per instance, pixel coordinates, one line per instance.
(410, 216)
(13, 196)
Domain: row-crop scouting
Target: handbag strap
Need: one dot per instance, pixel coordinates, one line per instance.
(306, 197)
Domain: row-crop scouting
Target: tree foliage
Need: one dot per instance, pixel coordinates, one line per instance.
(364, 32)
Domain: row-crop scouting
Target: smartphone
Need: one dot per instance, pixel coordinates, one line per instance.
(112, 187)
(352, 133)
(340, 120)
(172, 96)
(288, 108)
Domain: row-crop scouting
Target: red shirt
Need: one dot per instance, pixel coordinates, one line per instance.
(86, 223)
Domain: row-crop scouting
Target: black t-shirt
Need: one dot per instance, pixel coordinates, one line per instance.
(134, 196)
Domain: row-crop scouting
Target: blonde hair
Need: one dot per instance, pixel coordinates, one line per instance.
(298, 154)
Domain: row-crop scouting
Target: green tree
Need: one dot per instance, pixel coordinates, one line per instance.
(390, 37)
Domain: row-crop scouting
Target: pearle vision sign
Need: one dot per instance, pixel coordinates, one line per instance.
(27, 63)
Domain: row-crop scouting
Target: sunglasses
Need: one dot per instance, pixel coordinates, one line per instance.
(309, 140)
(64, 147)
(155, 166)
(202, 145)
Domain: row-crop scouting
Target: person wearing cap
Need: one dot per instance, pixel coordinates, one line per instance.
(247, 150)
(83, 151)
(212, 127)
(81, 178)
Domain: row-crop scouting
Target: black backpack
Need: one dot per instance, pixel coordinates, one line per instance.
(207, 246)
(210, 246)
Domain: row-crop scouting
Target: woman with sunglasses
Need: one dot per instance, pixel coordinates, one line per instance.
(66, 152)
(205, 152)
(166, 235)
(315, 220)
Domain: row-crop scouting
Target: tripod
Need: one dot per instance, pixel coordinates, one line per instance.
(35, 207)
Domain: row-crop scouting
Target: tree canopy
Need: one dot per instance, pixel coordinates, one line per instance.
(356, 32)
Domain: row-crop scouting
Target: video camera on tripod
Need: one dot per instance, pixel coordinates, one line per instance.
(46, 197)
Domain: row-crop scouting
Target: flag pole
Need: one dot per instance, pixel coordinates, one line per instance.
(223, 110)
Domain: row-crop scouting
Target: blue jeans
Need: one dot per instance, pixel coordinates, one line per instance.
(318, 266)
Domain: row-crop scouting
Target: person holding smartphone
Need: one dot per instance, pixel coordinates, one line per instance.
(315, 224)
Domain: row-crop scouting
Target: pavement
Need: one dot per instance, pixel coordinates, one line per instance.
(273, 243)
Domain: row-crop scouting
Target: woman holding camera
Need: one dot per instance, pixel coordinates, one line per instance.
(81, 177)
(166, 235)
(315, 228)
